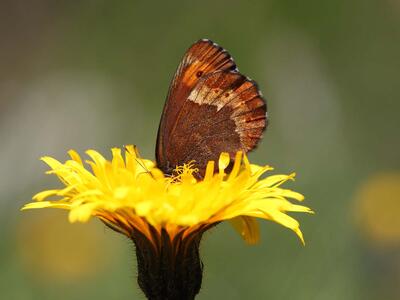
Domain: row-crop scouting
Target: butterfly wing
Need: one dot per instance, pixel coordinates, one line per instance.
(210, 108)
(201, 59)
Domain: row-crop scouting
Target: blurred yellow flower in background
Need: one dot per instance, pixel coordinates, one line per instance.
(60, 253)
(132, 193)
(377, 206)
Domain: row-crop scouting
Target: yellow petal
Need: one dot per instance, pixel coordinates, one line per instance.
(117, 161)
(43, 195)
(274, 180)
(75, 156)
(209, 171)
(236, 165)
(248, 228)
(44, 204)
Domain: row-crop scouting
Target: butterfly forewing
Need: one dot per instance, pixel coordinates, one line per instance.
(210, 108)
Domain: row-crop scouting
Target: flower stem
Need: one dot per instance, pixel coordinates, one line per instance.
(171, 269)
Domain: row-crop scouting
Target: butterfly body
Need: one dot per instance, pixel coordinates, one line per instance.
(210, 108)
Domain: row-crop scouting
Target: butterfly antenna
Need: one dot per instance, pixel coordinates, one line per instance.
(139, 161)
(142, 165)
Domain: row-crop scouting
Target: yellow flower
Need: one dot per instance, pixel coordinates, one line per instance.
(130, 194)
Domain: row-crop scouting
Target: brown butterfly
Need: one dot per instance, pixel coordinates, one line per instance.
(210, 108)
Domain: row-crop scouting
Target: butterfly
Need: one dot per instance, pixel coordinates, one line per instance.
(210, 108)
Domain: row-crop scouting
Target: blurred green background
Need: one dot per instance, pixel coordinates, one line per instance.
(94, 74)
